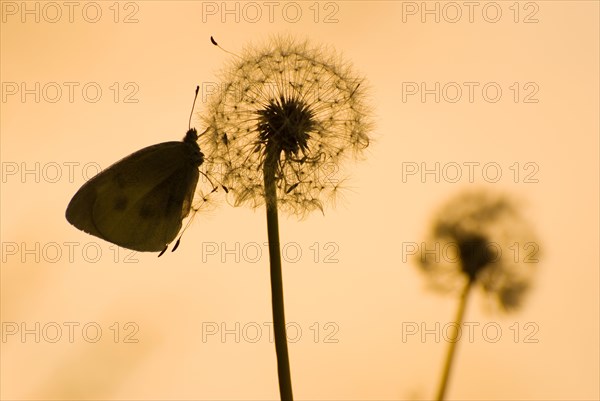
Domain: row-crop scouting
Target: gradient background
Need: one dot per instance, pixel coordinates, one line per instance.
(370, 291)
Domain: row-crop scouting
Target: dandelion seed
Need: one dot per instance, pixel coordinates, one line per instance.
(298, 103)
(481, 233)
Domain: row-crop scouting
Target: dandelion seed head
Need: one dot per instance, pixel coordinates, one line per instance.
(486, 235)
(296, 101)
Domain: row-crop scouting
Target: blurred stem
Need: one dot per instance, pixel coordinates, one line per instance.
(283, 362)
(452, 346)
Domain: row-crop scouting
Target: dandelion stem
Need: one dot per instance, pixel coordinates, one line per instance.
(281, 350)
(452, 346)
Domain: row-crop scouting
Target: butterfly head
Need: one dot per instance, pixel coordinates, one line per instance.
(191, 139)
(191, 135)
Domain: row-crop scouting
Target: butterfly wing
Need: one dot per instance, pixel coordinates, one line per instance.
(139, 202)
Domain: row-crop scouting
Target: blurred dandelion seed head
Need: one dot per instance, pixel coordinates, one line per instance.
(480, 236)
(300, 105)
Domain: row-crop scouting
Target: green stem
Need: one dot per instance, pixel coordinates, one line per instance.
(281, 350)
(451, 348)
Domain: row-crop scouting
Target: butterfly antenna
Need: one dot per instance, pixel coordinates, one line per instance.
(193, 104)
(214, 42)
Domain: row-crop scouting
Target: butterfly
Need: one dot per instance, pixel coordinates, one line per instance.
(140, 201)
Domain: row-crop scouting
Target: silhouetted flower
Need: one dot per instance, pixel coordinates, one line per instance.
(298, 103)
(480, 237)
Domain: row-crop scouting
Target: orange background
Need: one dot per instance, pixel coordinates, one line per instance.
(370, 291)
